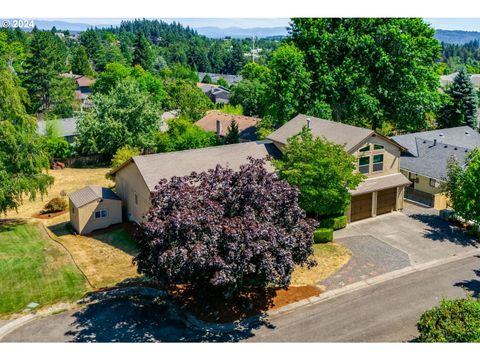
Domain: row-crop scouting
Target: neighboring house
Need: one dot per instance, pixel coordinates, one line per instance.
(67, 128)
(168, 115)
(84, 88)
(230, 79)
(446, 80)
(425, 159)
(93, 208)
(136, 179)
(377, 157)
(218, 94)
(219, 122)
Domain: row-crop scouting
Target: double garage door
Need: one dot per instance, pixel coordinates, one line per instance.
(362, 205)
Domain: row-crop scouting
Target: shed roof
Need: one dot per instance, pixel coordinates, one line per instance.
(91, 193)
(333, 131)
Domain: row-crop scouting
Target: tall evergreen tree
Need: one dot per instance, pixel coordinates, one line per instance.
(463, 107)
(235, 59)
(142, 52)
(80, 62)
(46, 61)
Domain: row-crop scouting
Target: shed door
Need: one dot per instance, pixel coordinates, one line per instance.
(386, 201)
(361, 207)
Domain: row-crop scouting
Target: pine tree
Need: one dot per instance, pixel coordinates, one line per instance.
(233, 134)
(80, 62)
(464, 98)
(142, 52)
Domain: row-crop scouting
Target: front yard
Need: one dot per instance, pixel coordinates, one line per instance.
(33, 268)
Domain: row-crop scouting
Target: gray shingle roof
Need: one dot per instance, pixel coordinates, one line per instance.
(230, 79)
(336, 132)
(432, 159)
(180, 163)
(381, 183)
(91, 193)
(463, 136)
(66, 127)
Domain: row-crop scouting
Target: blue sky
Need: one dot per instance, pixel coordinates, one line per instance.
(468, 24)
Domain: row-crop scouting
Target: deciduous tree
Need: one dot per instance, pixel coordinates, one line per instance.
(222, 230)
(323, 172)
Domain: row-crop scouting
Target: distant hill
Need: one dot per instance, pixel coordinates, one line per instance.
(236, 32)
(456, 36)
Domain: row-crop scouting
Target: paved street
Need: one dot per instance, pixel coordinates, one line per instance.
(383, 312)
(386, 312)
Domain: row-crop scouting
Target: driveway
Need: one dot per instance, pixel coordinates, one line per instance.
(394, 241)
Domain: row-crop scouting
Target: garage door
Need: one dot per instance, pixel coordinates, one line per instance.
(386, 200)
(361, 207)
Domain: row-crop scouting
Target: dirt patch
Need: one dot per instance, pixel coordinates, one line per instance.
(329, 257)
(66, 180)
(214, 308)
(50, 215)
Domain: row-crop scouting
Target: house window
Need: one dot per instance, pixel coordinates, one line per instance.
(364, 164)
(434, 183)
(378, 147)
(365, 148)
(101, 214)
(377, 163)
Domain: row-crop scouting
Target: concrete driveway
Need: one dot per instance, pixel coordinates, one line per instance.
(417, 232)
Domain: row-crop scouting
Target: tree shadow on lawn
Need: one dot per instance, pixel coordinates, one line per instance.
(441, 230)
(10, 224)
(119, 236)
(139, 318)
(472, 286)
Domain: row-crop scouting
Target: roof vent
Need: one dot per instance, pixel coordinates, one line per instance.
(455, 148)
(434, 142)
(466, 150)
(466, 132)
(441, 134)
(424, 141)
(446, 146)
(309, 123)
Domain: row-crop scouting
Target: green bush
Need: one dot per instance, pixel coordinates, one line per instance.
(335, 223)
(55, 205)
(455, 320)
(323, 235)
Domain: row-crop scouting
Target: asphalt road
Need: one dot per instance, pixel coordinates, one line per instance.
(379, 313)
(386, 312)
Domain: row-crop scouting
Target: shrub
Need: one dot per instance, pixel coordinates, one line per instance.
(455, 320)
(323, 235)
(335, 223)
(124, 154)
(224, 230)
(55, 205)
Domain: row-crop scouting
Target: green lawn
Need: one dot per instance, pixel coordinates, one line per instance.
(33, 268)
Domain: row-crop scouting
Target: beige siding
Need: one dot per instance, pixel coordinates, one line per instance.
(130, 186)
(391, 156)
(84, 220)
(74, 216)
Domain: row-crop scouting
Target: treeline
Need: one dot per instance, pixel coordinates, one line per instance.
(456, 56)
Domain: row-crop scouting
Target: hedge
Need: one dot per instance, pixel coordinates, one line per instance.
(335, 223)
(323, 235)
(452, 321)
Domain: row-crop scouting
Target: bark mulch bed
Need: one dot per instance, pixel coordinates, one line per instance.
(214, 308)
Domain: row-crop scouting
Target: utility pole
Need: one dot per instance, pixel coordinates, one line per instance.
(253, 48)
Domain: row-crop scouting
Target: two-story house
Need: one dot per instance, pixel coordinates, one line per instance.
(377, 158)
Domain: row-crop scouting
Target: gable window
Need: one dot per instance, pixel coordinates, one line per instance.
(364, 164)
(101, 214)
(365, 148)
(434, 183)
(377, 163)
(378, 147)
